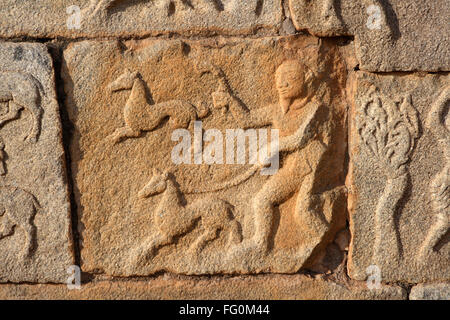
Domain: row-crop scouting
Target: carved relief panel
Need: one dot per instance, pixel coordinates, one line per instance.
(399, 162)
(35, 236)
(163, 182)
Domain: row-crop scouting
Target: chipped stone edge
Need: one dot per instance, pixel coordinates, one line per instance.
(173, 287)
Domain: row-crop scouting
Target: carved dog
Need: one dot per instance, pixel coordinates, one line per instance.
(174, 220)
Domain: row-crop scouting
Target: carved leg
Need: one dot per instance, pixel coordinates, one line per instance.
(276, 190)
(124, 133)
(208, 236)
(440, 195)
(149, 248)
(312, 220)
(437, 231)
(234, 236)
(13, 113)
(36, 130)
(30, 231)
(387, 243)
(8, 228)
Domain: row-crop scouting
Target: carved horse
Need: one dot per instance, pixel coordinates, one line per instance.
(17, 209)
(174, 220)
(141, 116)
(21, 91)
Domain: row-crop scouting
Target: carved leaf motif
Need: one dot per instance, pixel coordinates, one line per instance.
(410, 115)
(388, 130)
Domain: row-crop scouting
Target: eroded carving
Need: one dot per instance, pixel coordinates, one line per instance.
(438, 124)
(173, 219)
(21, 91)
(285, 219)
(100, 7)
(338, 17)
(142, 116)
(17, 209)
(296, 117)
(389, 130)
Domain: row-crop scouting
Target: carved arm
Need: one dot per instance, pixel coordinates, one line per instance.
(303, 135)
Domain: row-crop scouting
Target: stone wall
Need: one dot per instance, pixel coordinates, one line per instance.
(224, 149)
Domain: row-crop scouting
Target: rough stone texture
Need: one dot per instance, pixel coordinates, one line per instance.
(35, 238)
(399, 176)
(97, 18)
(359, 92)
(283, 287)
(411, 35)
(142, 213)
(435, 291)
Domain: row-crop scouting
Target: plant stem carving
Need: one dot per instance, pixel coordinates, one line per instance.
(440, 186)
(388, 129)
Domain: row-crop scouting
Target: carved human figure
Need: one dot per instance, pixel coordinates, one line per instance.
(142, 116)
(389, 130)
(438, 123)
(173, 219)
(299, 150)
(17, 209)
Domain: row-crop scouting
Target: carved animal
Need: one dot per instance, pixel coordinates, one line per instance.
(21, 91)
(389, 130)
(17, 209)
(174, 220)
(141, 116)
(440, 186)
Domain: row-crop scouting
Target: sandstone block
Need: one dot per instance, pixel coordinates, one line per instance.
(100, 18)
(394, 35)
(142, 212)
(399, 177)
(432, 291)
(35, 237)
(270, 287)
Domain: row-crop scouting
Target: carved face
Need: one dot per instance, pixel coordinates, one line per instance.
(157, 185)
(124, 82)
(290, 79)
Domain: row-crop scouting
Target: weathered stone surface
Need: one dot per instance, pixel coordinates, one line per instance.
(399, 177)
(390, 35)
(273, 287)
(141, 213)
(94, 18)
(35, 240)
(434, 291)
